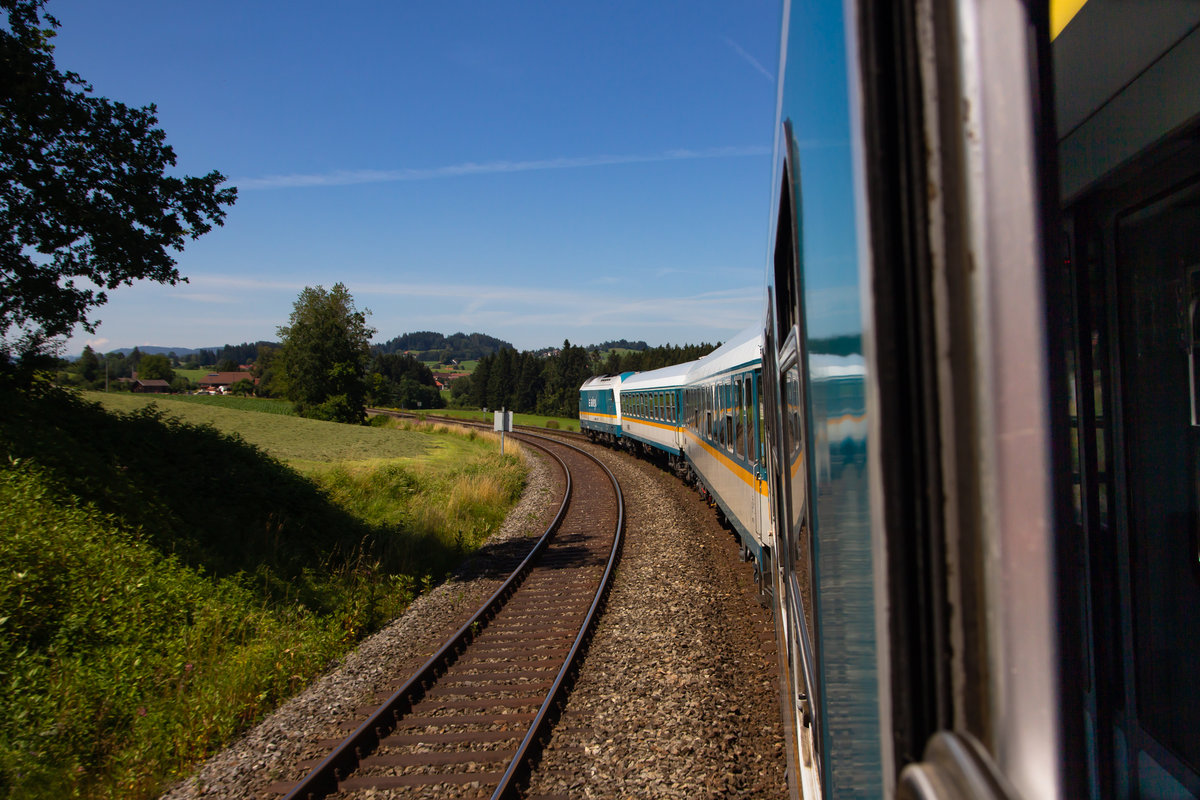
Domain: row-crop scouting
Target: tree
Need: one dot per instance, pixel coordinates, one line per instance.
(89, 364)
(85, 194)
(324, 355)
(265, 369)
(244, 388)
(155, 366)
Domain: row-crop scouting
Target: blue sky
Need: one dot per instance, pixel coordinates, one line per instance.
(534, 171)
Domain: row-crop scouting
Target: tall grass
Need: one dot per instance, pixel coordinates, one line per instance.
(164, 585)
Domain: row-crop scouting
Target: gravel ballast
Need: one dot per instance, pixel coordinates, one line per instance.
(678, 696)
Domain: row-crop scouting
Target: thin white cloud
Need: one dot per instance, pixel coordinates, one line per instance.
(352, 177)
(751, 60)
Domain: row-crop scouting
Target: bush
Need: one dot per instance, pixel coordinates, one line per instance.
(164, 585)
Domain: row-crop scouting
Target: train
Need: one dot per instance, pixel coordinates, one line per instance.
(963, 444)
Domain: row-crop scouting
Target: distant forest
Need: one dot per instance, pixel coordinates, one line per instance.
(649, 358)
(624, 344)
(430, 346)
(529, 382)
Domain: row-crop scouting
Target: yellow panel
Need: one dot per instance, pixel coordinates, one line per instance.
(1062, 12)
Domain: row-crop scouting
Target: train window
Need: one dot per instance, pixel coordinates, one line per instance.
(758, 423)
(729, 412)
(747, 420)
(709, 405)
(739, 418)
(719, 413)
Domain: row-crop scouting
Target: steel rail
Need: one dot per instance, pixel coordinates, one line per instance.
(530, 747)
(324, 778)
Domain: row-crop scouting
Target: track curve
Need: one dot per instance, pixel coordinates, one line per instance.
(475, 715)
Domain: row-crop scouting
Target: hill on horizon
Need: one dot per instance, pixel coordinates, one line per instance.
(424, 345)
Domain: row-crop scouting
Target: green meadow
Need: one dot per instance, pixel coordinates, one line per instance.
(531, 420)
(170, 571)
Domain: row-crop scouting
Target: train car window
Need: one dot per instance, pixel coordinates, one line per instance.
(745, 420)
(729, 412)
(709, 394)
(739, 419)
(721, 406)
(758, 422)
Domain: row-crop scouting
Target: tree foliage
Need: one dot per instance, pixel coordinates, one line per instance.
(430, 346)
(401, 381)
(326, 347)
(86, 204)
(649, 358)
(155, 366)
(548, 383)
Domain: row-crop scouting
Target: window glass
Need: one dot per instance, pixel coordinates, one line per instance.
(739, 446)
(730, 410)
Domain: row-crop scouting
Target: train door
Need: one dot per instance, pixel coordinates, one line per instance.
(1129, 149)
(1136, 258)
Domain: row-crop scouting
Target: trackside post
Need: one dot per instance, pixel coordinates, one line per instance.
(503, 423)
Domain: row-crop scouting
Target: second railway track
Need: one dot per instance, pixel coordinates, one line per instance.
(471, 721)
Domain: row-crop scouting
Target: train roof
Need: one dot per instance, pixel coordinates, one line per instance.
(743, 349)
(657, 378)
(604, 381)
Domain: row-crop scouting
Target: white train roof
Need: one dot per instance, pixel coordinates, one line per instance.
(741, 350)
(661, 378)
(604, 381)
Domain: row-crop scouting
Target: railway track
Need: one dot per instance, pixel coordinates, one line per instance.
(433, 417)
(471, 721)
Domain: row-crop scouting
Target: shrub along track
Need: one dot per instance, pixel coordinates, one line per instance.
(472, 719)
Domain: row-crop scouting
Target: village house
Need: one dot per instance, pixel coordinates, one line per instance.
(221, 381)
(150, 386)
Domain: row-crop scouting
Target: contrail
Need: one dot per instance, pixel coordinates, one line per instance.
(351, 177)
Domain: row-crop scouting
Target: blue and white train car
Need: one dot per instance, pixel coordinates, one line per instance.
(652, 404)
(600, 407)
(722, 436)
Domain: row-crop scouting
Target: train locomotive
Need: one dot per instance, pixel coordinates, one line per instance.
(963, 446)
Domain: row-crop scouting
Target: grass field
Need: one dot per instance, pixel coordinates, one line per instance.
(171, 571)
(263, 405)
(532, 420)
(303, 443)
(193, 375)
